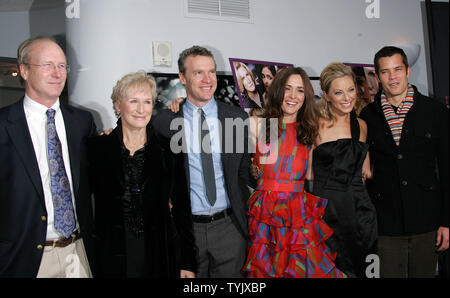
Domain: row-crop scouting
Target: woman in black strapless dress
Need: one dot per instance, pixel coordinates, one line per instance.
(339, 168)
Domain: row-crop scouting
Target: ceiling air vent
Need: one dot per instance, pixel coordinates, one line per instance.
(225, 10)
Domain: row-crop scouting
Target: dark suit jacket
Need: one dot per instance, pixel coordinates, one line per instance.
(235, 164)
(164, 179)
(410, 187)
(23, 216)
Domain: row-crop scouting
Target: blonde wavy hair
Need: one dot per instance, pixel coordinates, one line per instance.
(240, 79)
(136, 81)
(330, 73)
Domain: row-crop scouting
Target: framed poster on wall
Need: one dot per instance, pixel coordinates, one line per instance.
(252, 79)
(169, 87)
(367, 84)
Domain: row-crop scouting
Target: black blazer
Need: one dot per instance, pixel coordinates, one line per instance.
(164, 179)
(23, 216)
(235, 165)
(410, 182)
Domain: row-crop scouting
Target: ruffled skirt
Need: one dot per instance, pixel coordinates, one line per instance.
(287, 236)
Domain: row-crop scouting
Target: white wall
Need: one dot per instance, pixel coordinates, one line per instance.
(14, 28)
(114, 37)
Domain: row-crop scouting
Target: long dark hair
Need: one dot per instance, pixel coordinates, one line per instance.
(307, 128)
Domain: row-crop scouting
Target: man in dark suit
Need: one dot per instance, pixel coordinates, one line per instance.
(214, 164)
(408, 138)
(45, 208)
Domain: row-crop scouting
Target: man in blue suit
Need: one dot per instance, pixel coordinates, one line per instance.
(45, 208)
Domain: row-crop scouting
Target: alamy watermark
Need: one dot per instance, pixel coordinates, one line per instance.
(373, 10)
(73, 9)
(73, 267)
(373, 269)
(235, 135)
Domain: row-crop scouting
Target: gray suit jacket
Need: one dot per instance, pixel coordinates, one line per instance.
(235, 164)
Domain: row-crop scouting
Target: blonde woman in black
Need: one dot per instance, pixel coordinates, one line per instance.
(340, 166)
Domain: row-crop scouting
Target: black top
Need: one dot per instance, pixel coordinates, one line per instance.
(337, 167)
(132, 197)
(248, 103)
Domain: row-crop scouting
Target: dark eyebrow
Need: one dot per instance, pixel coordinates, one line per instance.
(287, 85)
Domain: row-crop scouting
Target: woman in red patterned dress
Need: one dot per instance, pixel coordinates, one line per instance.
(286, 229)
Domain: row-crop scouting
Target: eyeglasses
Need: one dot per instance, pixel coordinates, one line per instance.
(48, 67)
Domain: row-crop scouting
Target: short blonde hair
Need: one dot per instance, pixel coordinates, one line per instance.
(330, 73)
(133, 82)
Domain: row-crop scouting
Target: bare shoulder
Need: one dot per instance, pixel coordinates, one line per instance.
(362, 124)
(362, 129)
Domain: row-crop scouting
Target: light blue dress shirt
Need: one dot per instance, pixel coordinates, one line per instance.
(199, 202)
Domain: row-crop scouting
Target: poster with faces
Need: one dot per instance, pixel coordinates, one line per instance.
(253, 79)
(367, 84)
(169, 87)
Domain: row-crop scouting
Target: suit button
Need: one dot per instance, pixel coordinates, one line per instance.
(39, 247)
(404, 183)
(399, 157)
(43, 218)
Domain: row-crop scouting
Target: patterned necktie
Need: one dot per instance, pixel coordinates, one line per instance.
(60, 186)
(207, 160)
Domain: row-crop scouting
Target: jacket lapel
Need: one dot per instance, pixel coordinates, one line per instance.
(73, 136)
(409, 118)
(223, 156)
(379, 109)
(114, 142)
(21, 139)
(185, 149)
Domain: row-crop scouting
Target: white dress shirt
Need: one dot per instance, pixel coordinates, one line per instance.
(36, 116)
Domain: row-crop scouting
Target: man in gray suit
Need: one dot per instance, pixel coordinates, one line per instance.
(217, 202)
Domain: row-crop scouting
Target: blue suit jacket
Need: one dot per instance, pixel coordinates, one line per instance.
(23, 215)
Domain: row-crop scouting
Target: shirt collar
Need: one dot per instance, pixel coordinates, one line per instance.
(209, 109)
(37, 109)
